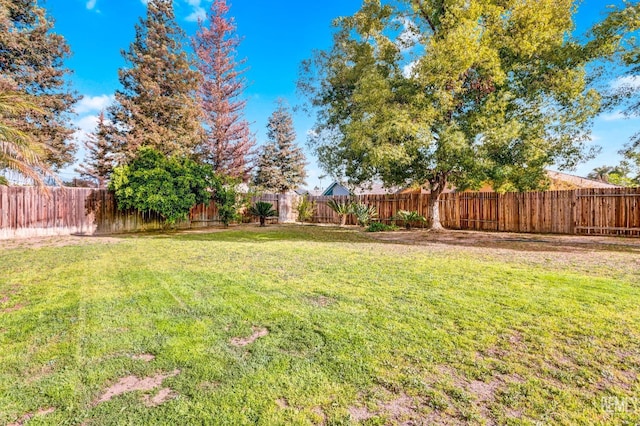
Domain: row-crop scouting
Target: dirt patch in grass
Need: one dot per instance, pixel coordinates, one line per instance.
(321, 301)
(12, 309)
(282, 403)
(133, 383)
(143, 357)
(163, 395)
(258, 332)
(607, 255)
(25, 418)
(60, 241)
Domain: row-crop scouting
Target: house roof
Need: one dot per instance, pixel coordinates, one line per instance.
(560, 181)
(366, 189)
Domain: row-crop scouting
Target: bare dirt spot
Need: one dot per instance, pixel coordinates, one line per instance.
(282, 403)
(611, 256)
(321, 301)
(208, 386)
(25, 418)
(160, 398)
(360, 414)
(321, 416)
(143, 357)
(258, 332)
(133, 383)
(12, 309)
(59, 241)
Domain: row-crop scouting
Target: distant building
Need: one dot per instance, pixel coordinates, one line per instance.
(557, 182)
(337, 189)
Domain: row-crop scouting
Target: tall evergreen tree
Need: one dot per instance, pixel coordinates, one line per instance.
(228, 143)
(98, 163)
(32, 62)
(281, 165)
(157, 105)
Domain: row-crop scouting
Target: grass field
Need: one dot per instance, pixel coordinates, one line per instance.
(316, 325)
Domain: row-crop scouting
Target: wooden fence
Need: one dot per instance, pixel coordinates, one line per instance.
(584, 211)
(26, 211)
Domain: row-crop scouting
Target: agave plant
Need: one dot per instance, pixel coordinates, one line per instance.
(365, 213)
(263, 210)
(342, 208)
(409, 217)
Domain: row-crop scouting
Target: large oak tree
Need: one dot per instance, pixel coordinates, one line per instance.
(439, 92)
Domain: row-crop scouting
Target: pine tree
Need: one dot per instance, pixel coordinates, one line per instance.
(267, 173)
(228, 143)
(281, 166)
(98, 163)
(32, 62)
(157, 105)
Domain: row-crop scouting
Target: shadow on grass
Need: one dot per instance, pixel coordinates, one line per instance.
(354, 235)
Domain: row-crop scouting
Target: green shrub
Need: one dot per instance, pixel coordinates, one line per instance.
(227, 199)
(305, 209)
(342, 208)
(409, 217)
(364, 213)
(169, 186)
(263, 210)
(380, 227)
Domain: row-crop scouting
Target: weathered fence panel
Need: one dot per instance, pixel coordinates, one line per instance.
(27, 211)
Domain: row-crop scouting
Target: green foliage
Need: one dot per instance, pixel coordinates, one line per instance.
(281, 164)
(3, 181)
(227, 199)
(437, 92)
(305, 209)
(409, 217)
(33, 56)
(342, 208)
(156, 106)
(380, 227)
(364, 213)
(169, 186)
(263, 210)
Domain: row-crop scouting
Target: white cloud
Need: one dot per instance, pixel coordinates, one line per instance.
(86, 124)
(409, 69)
(91, 4)
(614, 116)
(197, 12)
(93, 104)
(628, 82)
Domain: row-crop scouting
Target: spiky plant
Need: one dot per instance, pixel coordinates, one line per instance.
(342, 208)
(365, 213)
(263, 210)
(409, 217)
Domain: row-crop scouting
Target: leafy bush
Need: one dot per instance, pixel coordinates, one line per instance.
(305, 209)
(364, 213)
(380, 227)
(409, 217)
(342, 208)
(263, 210)
(227, 199)
(168, 186)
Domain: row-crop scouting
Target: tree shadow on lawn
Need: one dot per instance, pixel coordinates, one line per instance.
(416, 237)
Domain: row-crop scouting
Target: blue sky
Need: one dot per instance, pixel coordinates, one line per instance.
(278, 35)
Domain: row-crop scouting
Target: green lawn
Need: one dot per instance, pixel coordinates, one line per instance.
(311, 325)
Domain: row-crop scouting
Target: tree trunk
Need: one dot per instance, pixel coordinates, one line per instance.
(438, 185)
(262, 220)
(343, 219)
